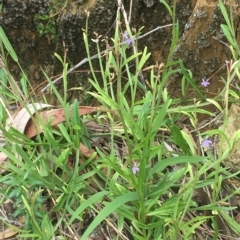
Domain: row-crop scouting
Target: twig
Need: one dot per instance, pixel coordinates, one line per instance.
(221, 41)
(96, 55)
(121, 6)
(130, 12)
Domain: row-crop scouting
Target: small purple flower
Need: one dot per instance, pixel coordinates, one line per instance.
(205, 82)
(206, 143)
(127, 39)
(135, 168)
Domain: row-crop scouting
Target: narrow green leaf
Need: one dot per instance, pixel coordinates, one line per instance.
(144, 108)
(232, 223)
(93, 199)
(18, 149)
(143, 59)
(8, 45)
(63, 157)
(167, 6)
(102, 96)
(226, 17)
(190, 80)
(129, 59)
(233, 93)
(179, 140)
(56, 92)
(29, 235)
(158, 120)
(227, 34)
(166, 182)
(216, 104)
(47, 227)
(58, 57)
(107, 210)
(4, 80)
(160, 166)
(26, 204)
(64, 132)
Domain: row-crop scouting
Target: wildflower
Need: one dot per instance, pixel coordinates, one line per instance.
(207, 143)
(135, 168)
(127, 38)
(205, 82)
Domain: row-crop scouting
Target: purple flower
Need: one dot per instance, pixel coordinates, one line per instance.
(135, 168)
(206, 143)
(205, 82)
(127, 39)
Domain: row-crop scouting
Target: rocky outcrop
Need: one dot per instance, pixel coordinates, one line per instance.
(199, 23)
(200, 46)
(22, 22)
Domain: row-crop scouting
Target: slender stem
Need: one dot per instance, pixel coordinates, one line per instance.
(87, 59)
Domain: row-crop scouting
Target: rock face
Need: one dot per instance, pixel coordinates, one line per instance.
(21, 19)
(200, 46)
(199, 22)
(232, 126)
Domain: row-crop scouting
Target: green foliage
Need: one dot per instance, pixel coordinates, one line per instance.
(146, 180)
(46, 23)
(47, 26)
(229, 30)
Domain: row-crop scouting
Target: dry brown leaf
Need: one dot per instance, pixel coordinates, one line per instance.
(22, 120)
(24, 115)
(10, 232)
(55, 116)
(85, 151)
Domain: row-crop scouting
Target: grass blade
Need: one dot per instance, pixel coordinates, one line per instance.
(107, 210)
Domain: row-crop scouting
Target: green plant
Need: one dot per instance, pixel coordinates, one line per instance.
(46, 23)
(155, 211)
(145, 171)
(229, 30)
